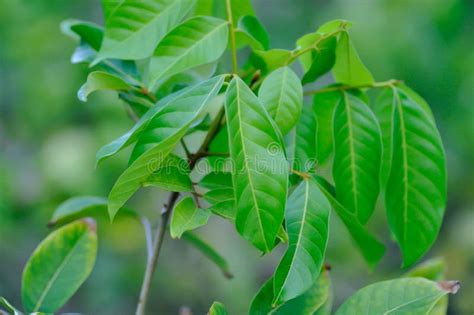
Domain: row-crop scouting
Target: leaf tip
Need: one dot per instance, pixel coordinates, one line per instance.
(451, 287)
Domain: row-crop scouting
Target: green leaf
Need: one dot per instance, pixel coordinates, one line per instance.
(324, 105)
(58, 267)
(239, 8)
(371, 249)
(170, 124)
(90, 38)
(217, 308)
(323, 60)
(415, 195)
(269, 60)
(76, 208)
(260, 188)
(400, 296)
(208, 251)
(307, 223)
(307, 304)
(195, 42)
(4, 304)
(282, 96)
(251, 32)
(219, 195)
(432, 269)
(186, 217)
(98, 80)
(304, 159)
(358, 151)
(215, 180)
(172, 175)
(349, 69)
(109, 6)
(134, 28)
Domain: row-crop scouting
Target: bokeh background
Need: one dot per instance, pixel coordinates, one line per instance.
(48, 141)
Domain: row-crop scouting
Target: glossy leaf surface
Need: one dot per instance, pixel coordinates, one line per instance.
(59, 266)
(134, 28)
(98, 80)
(282, 96)
(358, 150)
(260, 177)
(186, 217)
(195, 42)
(307, 224)
(415, 195)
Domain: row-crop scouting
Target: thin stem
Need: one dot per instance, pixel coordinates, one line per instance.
(235, 66)
(382, 84)
(300, 174)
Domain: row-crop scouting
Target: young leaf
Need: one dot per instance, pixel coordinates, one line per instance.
(209, 252)
(358, 150)
(199, 94)
(282, 96)
(304, 159)
(307, 223)
(10, 309)
(260, 177)
(186, 217)
(251, 32)
(415, 195)
(59, 266)
(90, 38)
(98, 80)
(348, 68)
(269, 60)
(371, 249)
(400, 296)
(135, 27)
(172, 175)
(217, 308)
(324, 59)
(170, 123)
(324, 105)
(195, 42)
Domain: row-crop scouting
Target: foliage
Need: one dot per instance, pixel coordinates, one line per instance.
(164, 60)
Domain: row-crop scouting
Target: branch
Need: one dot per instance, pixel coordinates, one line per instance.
(382, 84)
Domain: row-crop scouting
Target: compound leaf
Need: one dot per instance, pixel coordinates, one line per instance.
(260, 176)
(59, 266)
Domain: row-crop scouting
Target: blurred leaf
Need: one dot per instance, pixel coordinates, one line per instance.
(358, 151)
(200, 93)
(78, 207)
(269, 60)
(186, 217)
(217, 308)
(58, 267)
(432, 269)
(307, 221)
(349, 69)
(371, 249)
(260, 191)
(415, 196)
(208, 251)
(201, 124)
(97, 81)
(251, 32)
(195, 42)
(172, 175)
(5, 305)
(134, 28)
(215, 180)
(400, 296)
(324, 59)
(170, 123)
(281, 94)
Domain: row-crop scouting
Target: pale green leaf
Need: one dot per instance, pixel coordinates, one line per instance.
(217, 308)
(415, 195)
(59, 266)
(195, 42)
(432, 269)
(90, 38)
(170, 124)
(371, 249)
(186, 217)
(358, 151)
(208, 251)
(10, 309)
(134, 28)
(260, 176)
(401, 296)
(251, 32)
(98, 81)
(269, 60)
(172, 175)
(349, 69)
(307, 224)
(281, 94)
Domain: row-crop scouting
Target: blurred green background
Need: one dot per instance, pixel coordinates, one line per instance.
(48, 141)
